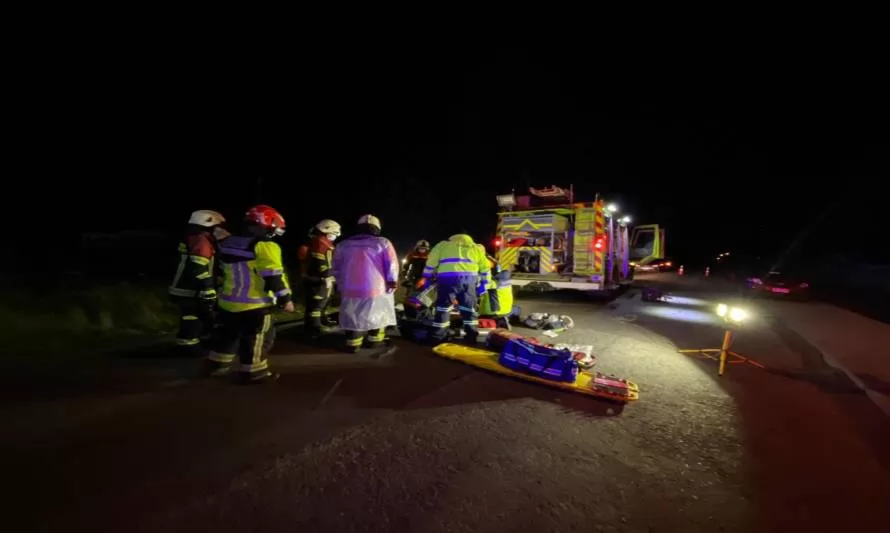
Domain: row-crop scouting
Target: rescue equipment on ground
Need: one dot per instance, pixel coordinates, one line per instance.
(418, 315)
(588, 383)
(548, 322)
(583, 354)
(651, 294)
(540, 361)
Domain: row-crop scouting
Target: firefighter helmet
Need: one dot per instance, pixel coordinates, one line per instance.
(328, 227)
(267, 218)
(422, 244)
(206, 218)
(370, 220)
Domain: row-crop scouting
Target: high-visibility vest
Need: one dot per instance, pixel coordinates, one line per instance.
(458, 256)
(246, 265)
(503, 294)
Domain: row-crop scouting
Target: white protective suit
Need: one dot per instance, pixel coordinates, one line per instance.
(363, 265)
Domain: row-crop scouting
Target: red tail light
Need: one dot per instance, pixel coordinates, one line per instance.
(497, 242)
(599, 243)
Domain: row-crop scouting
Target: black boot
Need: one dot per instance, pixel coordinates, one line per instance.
(214, 369)
(255, 378)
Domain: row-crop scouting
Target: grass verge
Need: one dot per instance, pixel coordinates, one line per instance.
(90, 321)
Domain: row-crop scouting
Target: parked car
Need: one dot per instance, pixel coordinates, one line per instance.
(659, 265)
(780, 285)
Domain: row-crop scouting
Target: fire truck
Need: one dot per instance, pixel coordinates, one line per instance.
(546, 237)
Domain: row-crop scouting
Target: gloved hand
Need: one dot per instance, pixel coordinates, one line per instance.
(421, 283)
(391, 286)
(493, 301)
(208, 295)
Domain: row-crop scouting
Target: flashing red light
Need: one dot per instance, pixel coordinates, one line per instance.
(599, 243)
(497, 243)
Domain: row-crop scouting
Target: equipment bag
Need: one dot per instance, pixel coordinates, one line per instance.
(541, 361)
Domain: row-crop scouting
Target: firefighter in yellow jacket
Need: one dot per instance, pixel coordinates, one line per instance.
(497, 301)
(461, 271)
(254, 282)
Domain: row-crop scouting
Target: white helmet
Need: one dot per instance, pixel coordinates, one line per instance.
(206, 218)
(422, 244)
(370, 219)
(328, 227)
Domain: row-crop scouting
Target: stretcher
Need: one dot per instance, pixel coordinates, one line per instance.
(588, 383)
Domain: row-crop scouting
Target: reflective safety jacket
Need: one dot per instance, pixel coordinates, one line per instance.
(458, 256)
(316, 266)
(195, 276)
(253, 275)
(498, 300)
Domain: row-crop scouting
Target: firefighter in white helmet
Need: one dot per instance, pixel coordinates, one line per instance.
(194, 284)
(318, 280)
(415, 262)
(367, 270)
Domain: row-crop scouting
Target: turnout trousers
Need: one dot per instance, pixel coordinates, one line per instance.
(246, 336)
(195, 320)
(460, 289)
(356, 339)
(315, 297)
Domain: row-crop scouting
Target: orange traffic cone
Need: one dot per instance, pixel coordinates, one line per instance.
(680, 271)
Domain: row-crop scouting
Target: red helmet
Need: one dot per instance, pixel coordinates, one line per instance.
(266, 217)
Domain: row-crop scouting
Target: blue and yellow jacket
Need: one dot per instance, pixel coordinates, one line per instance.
(253, 275)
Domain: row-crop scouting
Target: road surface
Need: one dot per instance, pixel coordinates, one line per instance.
(412, 442)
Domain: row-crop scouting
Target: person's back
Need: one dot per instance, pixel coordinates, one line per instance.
(362, 263)
(461, 269)
(366, 268)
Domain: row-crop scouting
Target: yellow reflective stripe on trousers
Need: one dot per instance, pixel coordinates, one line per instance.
(355, 342)
(222, 358)
(257, 363)
(258, 344)
(378, 337)
(256, 367)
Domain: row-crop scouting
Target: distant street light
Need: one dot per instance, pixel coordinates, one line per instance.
(612, 208)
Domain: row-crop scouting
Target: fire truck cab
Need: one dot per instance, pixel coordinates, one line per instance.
(546, 237)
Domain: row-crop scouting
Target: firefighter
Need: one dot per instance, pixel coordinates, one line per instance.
(497, 301)
(194, 284)
(253, 283)
(415, 261)
(461, 269)
(367, 271)
(318, 280)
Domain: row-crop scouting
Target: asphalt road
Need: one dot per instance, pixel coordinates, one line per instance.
(412, 442)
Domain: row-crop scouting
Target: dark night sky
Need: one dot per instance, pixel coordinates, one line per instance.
(742, 160)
